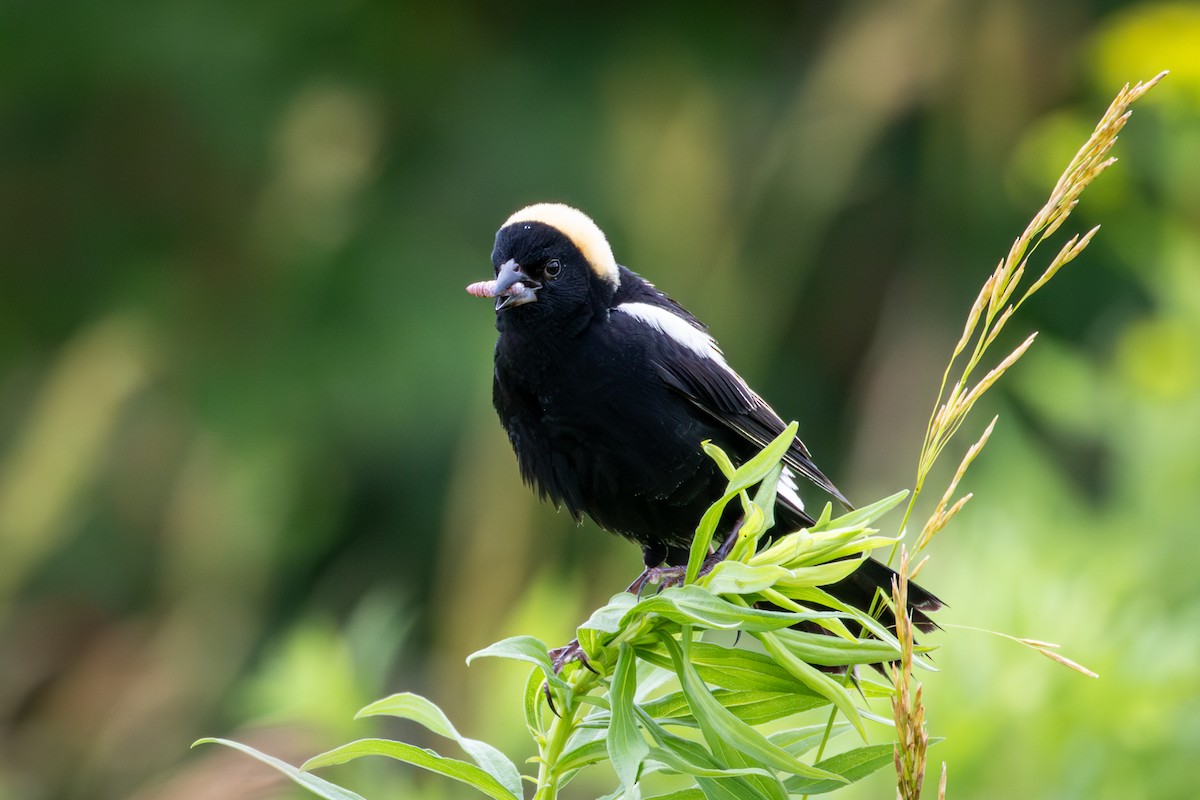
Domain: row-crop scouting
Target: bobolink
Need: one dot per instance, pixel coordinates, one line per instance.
(607, 387)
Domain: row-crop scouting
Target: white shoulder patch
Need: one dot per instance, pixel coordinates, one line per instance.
(678, 328)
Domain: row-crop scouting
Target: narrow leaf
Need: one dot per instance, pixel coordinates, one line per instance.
(693, 605)
(318, 786)
(864, 516)
(720, 727)
(853, 765)
(411, 706)
(522, 648)
(626, 745)
(815, 679)
(418, 757)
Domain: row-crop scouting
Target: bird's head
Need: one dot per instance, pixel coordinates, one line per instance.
(549, 259)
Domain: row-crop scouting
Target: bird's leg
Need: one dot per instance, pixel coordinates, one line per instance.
(655, 572)
(663, 575)
(672, 575)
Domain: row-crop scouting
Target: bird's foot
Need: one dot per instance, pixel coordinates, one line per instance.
(571, 651)
(663, 576)
(672, 575)
(559, 658)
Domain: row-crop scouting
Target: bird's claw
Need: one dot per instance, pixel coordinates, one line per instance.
(559, 658)
(571, 651)
(673, 575)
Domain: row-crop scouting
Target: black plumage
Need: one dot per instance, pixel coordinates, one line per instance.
(607, 387)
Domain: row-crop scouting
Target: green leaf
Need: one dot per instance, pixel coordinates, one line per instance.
(735, 789)
(832, 651)
(418, 757)
(679, 763)
(420, 710)
(754, 707)
(863, 516)
(745, 476)
(799, 741)
(720, 727)
(763, 462)
(721, 457)
(318, 786)
(532, 704)
(626, 745)
(853, 765)
(682, 794)
(737, 577)
(733, 668)
(802, 577)
(694, 605)
(750, 785)
(608, 618)
(815, 679)
(704, 536)
(764, 498)
(523, 648)
(584, 755)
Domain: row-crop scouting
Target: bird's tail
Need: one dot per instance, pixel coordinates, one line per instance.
(860, 588)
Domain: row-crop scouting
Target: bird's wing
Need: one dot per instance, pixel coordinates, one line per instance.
(690, 362)
(720, 392)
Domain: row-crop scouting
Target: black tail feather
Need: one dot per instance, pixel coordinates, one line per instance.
(860, 588)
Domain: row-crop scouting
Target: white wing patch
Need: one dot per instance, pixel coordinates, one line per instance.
(788, 490)
(678, 328)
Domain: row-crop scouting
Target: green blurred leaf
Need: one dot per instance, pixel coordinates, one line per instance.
(735, 788)
(418, 757)
(411, 706)
(626, 745)
(318, 786)
(853, 765)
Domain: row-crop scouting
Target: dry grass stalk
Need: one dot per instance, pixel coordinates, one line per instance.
(991, 311)
(994, 306)
(908, 711)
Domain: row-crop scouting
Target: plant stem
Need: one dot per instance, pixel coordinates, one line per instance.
(551, 747)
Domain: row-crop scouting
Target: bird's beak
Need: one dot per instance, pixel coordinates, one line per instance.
(512, 287)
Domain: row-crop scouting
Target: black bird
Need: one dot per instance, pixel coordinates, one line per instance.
(607, 387)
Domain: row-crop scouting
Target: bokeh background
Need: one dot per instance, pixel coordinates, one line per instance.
(250, 478)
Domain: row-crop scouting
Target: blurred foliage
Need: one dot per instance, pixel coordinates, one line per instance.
(246, 444)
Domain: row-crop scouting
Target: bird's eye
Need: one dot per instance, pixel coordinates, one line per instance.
(553, 268)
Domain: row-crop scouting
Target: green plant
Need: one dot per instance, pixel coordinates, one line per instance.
(669, 689)
(659, 669)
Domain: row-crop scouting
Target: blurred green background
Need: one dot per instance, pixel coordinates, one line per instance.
(250, 478)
